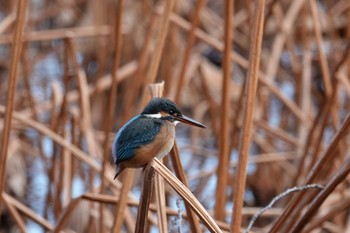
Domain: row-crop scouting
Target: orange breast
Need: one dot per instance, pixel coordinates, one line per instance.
(160, 147)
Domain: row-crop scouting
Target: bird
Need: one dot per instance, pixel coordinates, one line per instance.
(148, 135)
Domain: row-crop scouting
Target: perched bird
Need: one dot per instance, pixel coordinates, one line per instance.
(148, 135)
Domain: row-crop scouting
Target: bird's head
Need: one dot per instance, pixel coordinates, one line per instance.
(162, 107)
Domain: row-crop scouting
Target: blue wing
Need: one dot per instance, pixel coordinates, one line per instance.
(137, 132)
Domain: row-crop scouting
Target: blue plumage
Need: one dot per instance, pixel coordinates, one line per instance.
(138, 132)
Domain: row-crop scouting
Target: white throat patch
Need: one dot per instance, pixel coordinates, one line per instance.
(157, 115)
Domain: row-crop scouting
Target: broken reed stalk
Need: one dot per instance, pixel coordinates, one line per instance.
(111, 110)
(187, 195)
(224, 144)
(248, 106)
(190, 41)
(12, 86)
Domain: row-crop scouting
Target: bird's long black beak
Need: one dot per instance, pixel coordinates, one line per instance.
(189, 121)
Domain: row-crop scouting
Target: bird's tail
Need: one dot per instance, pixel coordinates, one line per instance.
(116, 174)
(118, 171)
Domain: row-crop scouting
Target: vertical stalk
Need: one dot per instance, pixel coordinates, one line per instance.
(224, 143)
(249, 101)
(146, 193)
(10, 102)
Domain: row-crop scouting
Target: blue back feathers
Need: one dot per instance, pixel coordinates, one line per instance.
(139, 131)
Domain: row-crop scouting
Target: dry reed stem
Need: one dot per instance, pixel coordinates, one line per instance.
(55, 34)
(65, 215)
(54, 179)
(335, 180)
(330, 102)
(123, 199)
(110, 112)
(186, 194)
(248, 106)
(157, 90)
(7, 22)
(28, 212)
(161, 203)
(236, 118)
(224, 145)
(190, 41)
(320, 47)
(109, 199)
(305, 103)
(67, 175)
(12, 85)
(180, 174)
(157, 54)
(146, 193)
(314, 173)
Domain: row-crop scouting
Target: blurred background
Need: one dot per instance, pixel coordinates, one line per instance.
(65, 69)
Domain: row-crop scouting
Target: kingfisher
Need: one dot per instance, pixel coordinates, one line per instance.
(148, 135)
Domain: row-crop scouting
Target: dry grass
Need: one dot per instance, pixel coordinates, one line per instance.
(270, 79)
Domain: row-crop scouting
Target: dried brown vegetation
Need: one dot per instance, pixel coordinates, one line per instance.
(270, 79)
